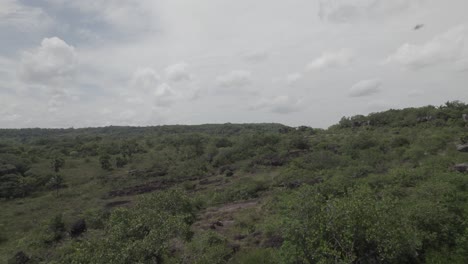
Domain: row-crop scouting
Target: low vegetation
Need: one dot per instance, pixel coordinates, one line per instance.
(390, 187)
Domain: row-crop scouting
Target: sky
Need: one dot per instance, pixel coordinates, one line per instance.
(88, 63)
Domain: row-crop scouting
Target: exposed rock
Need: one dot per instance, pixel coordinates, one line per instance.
(465, 117)
(361, 123)
(271, 159)
(277, 161)
(296, 153)
(462, 148)
(20, 258)
(424, 119)
(226, 169)
(158, 172)
(291, 185)
(143, 188)
(207, 181)
(239, 237)
(235, 247)
(215, 224)
(115, 204)
(463, 167)
(78, 228)
(274, 242)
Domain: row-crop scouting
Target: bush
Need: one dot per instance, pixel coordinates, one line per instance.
(141, 234)
(120, 162)
(208, 247)
(256, 256)
(53, 230)
(247, 189)
(356, 227)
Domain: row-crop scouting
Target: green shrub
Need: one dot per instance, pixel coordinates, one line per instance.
(256, 256)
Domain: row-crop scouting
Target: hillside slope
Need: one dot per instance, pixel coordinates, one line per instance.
(390, 187)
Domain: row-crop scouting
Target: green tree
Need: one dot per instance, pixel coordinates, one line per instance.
(57, 163)
(358, 228)
(105, 161)
(53, 230)
(141, 234)
(120, 162)
(55, 183)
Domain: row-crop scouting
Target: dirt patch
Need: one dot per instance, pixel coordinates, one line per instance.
(234, 206)
(273, 242)
(143, 188)
(115, 204)
(222, 218)
(228, 220)
(207, 181)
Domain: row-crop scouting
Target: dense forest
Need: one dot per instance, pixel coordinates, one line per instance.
(389, 187)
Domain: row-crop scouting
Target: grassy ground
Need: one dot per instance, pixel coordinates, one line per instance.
(88, 186)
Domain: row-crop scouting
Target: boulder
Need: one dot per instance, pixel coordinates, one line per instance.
(78, 228)
(215, 224)
(20, 258)
(463, 167)
(424, 119)
(234, 247)
(462, 148)
(274, 241)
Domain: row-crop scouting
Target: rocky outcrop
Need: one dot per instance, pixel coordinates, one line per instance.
(78, 228)
(357, 123)
(463, 167)
(20, 258)
(462, 148)
(424, 119)
(465, 117)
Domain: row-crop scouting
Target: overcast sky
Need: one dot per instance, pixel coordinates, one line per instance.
(69, 63)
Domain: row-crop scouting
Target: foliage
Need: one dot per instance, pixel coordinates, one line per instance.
(53, 230)
(208, 247)
(140, 234)
(57, 164)
(380, 188)
(105, 162)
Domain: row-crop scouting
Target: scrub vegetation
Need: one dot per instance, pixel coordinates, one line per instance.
(390, 187)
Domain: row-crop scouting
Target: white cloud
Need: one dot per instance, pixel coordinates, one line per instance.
(256, 56)
(282, 104)
(164, 95)
(8, 111)
(341, 58)
(145, 79)
(445, 48)
(365, 88)
(178, 72)
(127, 116)
(378, 105)
(149, 90)
(121, 15)
(51, 64)
(344, 11)
(235, 79)
(113, 38)
(415, 92)
(462, 65)
(14, 15)
(293, 78)
(56, 102)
